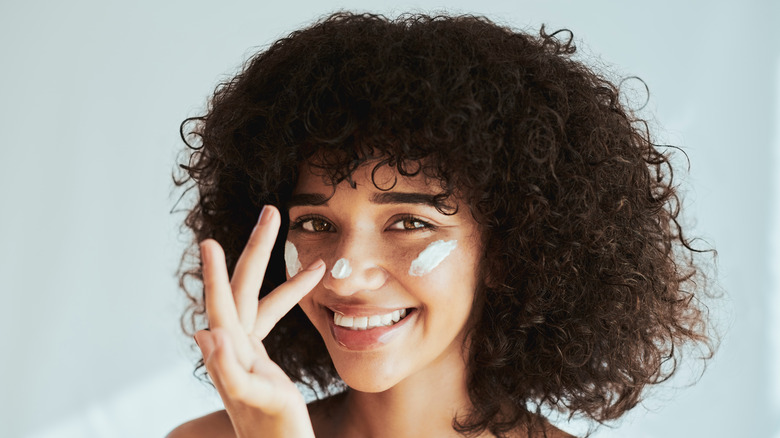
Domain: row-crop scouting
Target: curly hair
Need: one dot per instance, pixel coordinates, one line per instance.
(590, 290)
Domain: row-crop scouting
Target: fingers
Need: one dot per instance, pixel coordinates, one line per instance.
(230, 377)
(205, 342)
(250, 268)
(220, 307)
(219, 298)
(233, 304)
(260, 399)
(277, 303)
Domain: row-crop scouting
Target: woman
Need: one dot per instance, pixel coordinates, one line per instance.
(473, 225)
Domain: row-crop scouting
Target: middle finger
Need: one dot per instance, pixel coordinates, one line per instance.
(251, 265)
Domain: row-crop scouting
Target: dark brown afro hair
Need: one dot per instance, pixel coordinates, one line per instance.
(590, 288)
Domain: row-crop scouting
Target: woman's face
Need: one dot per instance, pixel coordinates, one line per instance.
(387, 252)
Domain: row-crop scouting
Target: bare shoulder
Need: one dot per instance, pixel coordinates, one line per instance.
(557, 433)
(214, 425)
(553, 432)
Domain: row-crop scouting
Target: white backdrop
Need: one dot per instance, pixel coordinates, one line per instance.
(91, 96)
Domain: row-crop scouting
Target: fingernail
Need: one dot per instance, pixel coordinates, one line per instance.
(316, 265)
(264, 216)
(196, 340)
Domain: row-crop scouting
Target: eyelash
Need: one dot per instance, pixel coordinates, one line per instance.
(299, 223)
(408, 217)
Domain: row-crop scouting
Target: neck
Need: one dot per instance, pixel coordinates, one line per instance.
(423, 404)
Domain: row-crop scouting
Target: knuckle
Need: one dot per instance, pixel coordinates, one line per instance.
(255, 243)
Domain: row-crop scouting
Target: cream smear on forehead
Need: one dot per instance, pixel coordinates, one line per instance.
(291, 259)
(341, 269)
(431, 256)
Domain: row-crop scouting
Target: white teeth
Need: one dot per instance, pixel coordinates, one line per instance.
(361, 323)
(368, 322)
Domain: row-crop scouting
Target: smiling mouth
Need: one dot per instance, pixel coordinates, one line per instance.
(358, 323)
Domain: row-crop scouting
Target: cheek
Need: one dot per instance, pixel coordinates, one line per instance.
(296, 257)
(431, 257)
(453, 280)
(292, 261)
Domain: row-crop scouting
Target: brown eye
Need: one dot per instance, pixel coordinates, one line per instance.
(411, 224)
(317, 225)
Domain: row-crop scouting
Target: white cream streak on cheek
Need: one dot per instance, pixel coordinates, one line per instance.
(431, 256)
(291, 259)
(341, 269)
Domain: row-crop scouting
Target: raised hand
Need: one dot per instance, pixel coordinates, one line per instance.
(259, 398)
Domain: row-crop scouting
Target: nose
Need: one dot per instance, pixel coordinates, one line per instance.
(355, 267)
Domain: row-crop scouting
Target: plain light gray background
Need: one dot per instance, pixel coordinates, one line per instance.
(91, 96)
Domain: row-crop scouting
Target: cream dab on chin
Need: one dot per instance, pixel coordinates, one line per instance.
(341, 269)
(291, 259)
(431, 256)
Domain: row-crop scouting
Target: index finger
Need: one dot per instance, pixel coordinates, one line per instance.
(282, 299)
(220, 307)
(251, 266)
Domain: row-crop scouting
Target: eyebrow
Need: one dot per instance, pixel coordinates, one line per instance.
(403, 198)
(308, 199)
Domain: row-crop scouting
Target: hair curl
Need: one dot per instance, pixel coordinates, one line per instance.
(590, 288)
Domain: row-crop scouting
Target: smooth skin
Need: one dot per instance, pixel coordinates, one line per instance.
(413, 385)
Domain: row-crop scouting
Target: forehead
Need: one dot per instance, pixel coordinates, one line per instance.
(368, 177)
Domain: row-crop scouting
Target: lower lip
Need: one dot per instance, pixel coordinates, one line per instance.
(371, 338)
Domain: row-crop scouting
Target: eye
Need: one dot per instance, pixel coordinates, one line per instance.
(410, 223)
(312, 224)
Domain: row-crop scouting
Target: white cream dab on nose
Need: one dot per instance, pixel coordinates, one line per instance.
(291, 259)
(431, 256)
(341, 269)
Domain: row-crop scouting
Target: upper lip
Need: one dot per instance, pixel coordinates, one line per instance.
(362, 310)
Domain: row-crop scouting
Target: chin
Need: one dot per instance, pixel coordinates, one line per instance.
(367, 380)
